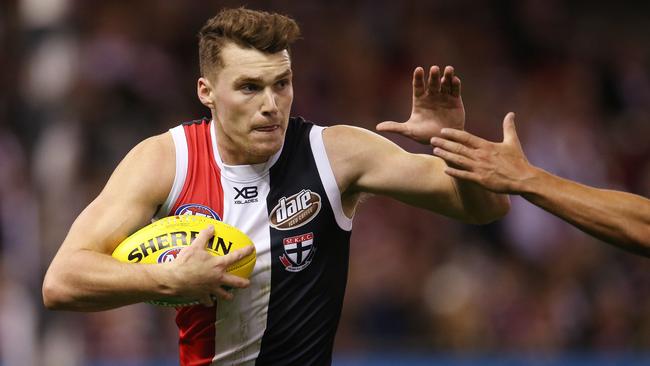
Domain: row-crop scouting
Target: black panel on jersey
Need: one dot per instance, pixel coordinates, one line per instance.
(304, 306)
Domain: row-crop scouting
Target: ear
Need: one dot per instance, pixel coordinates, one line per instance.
(205, 92)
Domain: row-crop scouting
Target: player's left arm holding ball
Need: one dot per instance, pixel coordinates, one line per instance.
(364, 162)
(84, 277)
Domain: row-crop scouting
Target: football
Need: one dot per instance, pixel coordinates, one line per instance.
(162, 240)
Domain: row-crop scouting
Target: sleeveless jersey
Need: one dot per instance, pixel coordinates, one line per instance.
(290, 206)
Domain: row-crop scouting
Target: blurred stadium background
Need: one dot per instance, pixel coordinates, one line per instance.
(81, 82)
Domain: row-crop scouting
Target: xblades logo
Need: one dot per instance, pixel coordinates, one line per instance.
(246, 195)
(246, 192)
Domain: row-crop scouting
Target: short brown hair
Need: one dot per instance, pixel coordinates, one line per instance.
(267, 32)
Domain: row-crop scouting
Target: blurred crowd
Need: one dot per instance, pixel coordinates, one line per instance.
(81, 82)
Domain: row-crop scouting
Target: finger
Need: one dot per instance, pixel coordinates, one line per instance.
(445, 82)
(418, 82)
(237, 255)
(452, 158)
(509, 131)
(463, 137)
(232, 280)
(206, 301)
(390, 126)
(204, 236)
(451, 146)
(433, 83)
(455, 87)
(223, 294)
(462, 174)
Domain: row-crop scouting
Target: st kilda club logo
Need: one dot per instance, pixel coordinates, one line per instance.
(298, 252)
(296, 210)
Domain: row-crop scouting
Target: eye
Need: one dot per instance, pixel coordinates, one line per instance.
(281, 84)
(250, 88)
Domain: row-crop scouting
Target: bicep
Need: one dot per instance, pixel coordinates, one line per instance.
(416, 179)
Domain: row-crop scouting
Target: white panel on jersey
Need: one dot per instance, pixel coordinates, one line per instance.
(327, 177)
(180, 144)
(241, 322)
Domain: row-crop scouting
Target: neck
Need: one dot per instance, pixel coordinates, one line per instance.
(236, 156)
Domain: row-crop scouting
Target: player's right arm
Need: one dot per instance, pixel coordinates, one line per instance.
(619, 218)
(83, 275)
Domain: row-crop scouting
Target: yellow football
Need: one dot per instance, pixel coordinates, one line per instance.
(162, 240)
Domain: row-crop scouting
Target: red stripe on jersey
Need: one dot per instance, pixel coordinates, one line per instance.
(203, 180)
(202, 187)
(196, 335)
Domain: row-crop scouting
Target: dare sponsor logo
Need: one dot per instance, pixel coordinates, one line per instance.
(197, 210)
(299, 251)
(295, 211)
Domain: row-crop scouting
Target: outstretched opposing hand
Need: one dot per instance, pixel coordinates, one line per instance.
(500, 167)
(436, 104)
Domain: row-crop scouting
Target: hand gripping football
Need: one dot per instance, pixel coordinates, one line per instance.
(162, 240)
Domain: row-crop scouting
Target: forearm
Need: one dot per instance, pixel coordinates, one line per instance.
(92, 281)
(479, 205)
(619, 218)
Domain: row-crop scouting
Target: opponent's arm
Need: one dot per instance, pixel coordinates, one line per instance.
(83, 275)
(620, 218)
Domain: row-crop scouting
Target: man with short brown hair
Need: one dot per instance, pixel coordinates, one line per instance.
(292, 186)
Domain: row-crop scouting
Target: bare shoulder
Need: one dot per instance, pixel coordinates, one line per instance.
(146, 171)
(342, 135)
(353, 151)
(155, 148)
(350, 142)
(340, 143)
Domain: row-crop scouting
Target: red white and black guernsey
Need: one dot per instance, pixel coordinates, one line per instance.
(290, 206)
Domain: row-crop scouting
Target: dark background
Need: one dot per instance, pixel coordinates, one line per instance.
(81, 82)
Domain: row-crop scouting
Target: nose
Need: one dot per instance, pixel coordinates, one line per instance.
(269, 106)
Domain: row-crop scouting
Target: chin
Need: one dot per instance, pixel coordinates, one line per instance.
(268, 142)
(265, 150)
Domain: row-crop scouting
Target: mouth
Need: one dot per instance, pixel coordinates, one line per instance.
(268, 128)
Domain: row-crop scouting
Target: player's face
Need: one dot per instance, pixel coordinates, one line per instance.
(251, 98)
